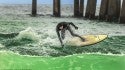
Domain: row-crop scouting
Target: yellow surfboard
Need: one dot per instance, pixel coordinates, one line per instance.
(89, 40)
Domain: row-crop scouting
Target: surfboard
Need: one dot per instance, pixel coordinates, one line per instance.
(89, 40)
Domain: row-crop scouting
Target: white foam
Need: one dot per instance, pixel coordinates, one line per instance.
(29, 33)
(1, 46)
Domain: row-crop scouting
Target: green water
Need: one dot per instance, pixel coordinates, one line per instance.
(49, 57)
(26, 46)
(37, 48)
(74, 62)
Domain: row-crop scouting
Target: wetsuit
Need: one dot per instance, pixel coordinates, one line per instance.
(66, 26)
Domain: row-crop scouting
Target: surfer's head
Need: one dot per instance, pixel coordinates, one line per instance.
(61, 27)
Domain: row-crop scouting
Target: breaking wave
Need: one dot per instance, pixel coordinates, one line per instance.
(29, 42)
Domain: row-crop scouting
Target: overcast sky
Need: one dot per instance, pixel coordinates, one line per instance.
(39, 1)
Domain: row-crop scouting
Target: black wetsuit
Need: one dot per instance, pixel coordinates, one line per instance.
(66, 26)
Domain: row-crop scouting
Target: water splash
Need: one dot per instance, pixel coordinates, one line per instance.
(29, 33)
(29, 42)
(24, 37)
(1, 46)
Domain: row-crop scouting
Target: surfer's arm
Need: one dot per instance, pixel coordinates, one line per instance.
(73, 25)
(57, 31)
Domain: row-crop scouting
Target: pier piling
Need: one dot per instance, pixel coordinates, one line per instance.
(56, 8)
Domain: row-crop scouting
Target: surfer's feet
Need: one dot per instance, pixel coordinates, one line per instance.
(62, 45)
(82, 39)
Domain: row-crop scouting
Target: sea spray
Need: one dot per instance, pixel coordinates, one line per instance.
(25, 44)
(24, 37)
(29, 34)
(1, 46)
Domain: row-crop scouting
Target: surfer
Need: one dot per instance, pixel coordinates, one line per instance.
(62, 27)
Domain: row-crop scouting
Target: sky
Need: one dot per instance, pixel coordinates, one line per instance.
(39, 1)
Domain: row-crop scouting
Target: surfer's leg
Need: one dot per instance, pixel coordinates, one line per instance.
(73, 34)
(63, 33)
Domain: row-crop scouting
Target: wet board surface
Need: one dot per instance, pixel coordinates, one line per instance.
(89, 40)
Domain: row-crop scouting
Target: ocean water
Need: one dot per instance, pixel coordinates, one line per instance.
(31, 42)
(28, 42)
(27, 51)
(9, 60)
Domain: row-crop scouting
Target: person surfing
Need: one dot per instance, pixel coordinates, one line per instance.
(62, 27)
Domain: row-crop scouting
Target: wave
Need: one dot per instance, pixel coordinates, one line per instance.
(29, 42)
